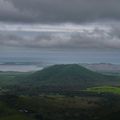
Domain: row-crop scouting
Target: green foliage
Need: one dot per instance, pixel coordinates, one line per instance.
(15, 117)
(69, 75)
(105, 89)
(57, 107)
(72, 78)
(10, 113)
(11, 78)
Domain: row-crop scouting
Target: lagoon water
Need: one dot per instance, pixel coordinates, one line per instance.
(19, 68)
(36, 60)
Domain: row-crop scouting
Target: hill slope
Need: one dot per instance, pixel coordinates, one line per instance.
(69, 75)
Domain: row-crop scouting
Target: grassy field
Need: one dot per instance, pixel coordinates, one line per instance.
(105, 89)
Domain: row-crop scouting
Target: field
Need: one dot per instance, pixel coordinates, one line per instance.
(105, 89)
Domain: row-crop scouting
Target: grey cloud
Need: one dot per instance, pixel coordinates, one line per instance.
(59, 11)
(10, 40)
(95, 39)
(10, 13)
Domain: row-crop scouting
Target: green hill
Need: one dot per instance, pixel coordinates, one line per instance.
(56, 79)
(71, 75)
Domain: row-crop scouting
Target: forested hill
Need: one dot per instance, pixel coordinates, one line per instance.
(56, 78)
(69, 75)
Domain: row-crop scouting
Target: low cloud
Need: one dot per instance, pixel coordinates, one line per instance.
(92, 36)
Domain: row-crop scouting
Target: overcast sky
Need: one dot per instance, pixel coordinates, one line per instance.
(60, 24)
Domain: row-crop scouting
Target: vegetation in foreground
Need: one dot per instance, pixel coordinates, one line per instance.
(57, 107)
